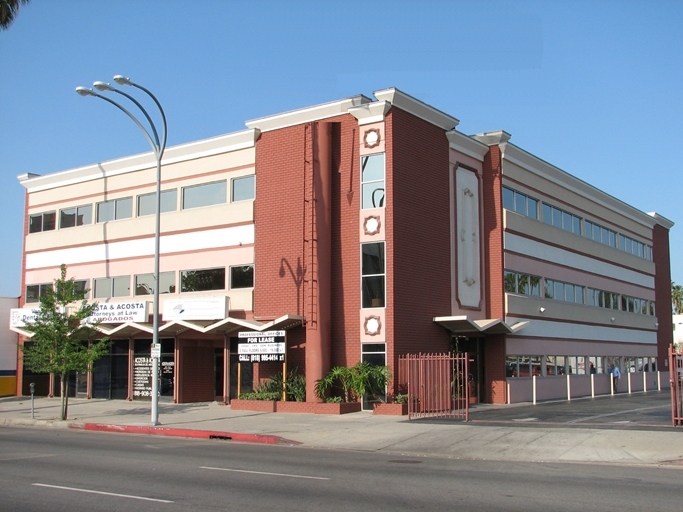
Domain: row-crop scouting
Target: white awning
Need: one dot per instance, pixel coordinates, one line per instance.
(176, 327)
(464, 325)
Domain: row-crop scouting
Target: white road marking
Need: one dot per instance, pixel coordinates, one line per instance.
(265, 473)
(17, 456)
(102, 492)
(618, 413)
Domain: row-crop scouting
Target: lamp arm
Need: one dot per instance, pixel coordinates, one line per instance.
(142, 109)
(161, 111)
(155, 148)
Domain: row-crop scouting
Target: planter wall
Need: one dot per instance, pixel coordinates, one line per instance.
(295, 407)
(390, 409)
(253, 405)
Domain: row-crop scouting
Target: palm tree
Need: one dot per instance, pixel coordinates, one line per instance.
(8, 12)
(677, 298)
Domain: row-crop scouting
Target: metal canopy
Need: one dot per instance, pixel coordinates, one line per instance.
(463, 324)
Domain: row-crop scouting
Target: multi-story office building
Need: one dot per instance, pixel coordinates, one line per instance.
(364, 229)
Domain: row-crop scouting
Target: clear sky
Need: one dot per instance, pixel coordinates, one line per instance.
(593, 87)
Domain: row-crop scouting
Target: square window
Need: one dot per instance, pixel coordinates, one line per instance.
(42, 222)
(115, 209)
(243, 189)
(71, 217)
(372, 181)
(147, 202)
(242, 276)
(35, 291)
(144, 283)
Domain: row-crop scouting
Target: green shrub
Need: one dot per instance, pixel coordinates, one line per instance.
(401, 399)
(261, 395)
(295, 386)
(363, 379)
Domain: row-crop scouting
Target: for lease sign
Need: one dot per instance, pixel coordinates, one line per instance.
(261, 347)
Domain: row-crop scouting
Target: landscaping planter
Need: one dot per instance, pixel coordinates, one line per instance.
(390, 409)
(253, 405)
(294, 407)
(317, 408)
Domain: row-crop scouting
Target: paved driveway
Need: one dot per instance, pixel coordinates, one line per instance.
(640, 410)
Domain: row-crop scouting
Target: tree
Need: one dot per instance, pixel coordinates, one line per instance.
(61, 341)
(677, 298)
(8, 12)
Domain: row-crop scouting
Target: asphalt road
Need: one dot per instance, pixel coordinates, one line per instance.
(66, 471)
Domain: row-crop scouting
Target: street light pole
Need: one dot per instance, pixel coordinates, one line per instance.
(158, 147)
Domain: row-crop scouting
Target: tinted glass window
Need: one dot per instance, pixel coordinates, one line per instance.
(243, 188)
(205, 195)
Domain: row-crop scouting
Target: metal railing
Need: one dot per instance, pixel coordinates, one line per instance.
(676, 379)
(437, 385)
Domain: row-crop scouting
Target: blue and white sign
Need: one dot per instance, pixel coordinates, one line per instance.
(19, 316)
(199, 308)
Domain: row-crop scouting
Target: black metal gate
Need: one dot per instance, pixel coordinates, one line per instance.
(437, 385)
(676, 379)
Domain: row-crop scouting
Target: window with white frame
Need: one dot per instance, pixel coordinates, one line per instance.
(243, 188)
(206, 194)
(373, 275)
(520, 203)
(105, 287)
(144, 283)
(42, 222)
(147, 203)
(524, 284)
(202, 279)
(242, 276)
(567, 292)
(77, 216)
(631, 246)
(35, 291)
(372, 181)
(600, 234)
(115, 209)
(561, 219)
(602, 299)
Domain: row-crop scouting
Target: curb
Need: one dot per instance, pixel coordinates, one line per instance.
(180, 432)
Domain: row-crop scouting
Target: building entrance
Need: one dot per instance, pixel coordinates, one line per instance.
(473, 347)
(242, 372)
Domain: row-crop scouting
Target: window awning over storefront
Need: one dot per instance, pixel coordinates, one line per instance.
(464, 325)
(176, 327)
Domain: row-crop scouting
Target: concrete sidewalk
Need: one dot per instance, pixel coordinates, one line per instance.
(363, 431)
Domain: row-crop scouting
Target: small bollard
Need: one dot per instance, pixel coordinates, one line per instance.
(33, 390)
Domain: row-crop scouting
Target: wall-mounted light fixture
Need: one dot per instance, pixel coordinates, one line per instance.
(541, 310)
(612, 319)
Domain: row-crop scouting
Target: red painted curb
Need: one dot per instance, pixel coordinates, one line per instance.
(181, 432)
